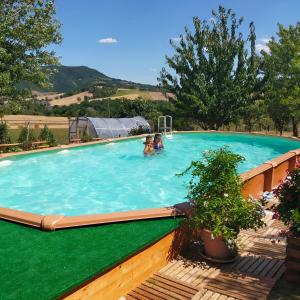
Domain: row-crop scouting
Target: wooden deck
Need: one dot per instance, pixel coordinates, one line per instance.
(252, 276)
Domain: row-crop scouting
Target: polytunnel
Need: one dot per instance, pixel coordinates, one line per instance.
(106, 127)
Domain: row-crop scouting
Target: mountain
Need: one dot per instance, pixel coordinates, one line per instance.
(72, 79)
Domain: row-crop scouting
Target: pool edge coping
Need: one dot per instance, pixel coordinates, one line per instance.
(53, 222)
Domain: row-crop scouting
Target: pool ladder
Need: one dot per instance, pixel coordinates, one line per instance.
(167, 128)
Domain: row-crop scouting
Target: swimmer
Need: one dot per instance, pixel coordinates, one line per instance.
(158, 142)
(148, 145)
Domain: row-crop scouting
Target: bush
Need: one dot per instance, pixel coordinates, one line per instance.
(4, 138)
(47, 135)
(288, 209)
(26, 138)
(86, 137)
(139, 130)
(215, 195)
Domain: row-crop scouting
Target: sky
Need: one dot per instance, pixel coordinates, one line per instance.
(128, 39)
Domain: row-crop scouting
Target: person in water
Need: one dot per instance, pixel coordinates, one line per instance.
(158, 142)
(148, 145)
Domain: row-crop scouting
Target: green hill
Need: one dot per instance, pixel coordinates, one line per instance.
(72, 79)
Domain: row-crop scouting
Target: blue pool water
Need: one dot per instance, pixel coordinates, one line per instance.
(116, 176)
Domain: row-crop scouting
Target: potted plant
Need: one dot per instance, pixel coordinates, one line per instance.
(217, 205)
(288, 211)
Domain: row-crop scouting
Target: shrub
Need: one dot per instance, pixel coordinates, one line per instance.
(215, 195)
(47, 135)
(288, 209)
(86, 137)
(4, 138)
(139, 130)
(26, 138)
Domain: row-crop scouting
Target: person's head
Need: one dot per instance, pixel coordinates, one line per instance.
(157, 138)
(148, 140)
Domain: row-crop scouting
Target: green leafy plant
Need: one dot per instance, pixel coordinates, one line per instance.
(215, 195)
(26, 138)
(86, 137)
(4, 138)
(47, 135)
(139, 130)
(288, 209)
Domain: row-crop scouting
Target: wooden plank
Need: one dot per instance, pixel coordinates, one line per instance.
(156, 292)
(164, 289)
(246, 283)
(170, 288)
(176, 283)
(261, 267)
(174, 267)
(141, 291)
(258, 262)
(268, 268)
(238, 295)
(274, 270)
(168, 266)
(136, 295)
(207, 295)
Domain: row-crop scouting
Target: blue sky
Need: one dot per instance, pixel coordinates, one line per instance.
(135, 34)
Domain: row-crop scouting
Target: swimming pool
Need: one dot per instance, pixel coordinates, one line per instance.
(116, 177)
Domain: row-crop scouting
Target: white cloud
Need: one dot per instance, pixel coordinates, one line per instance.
(176, 39)
(262, 45)
(109, 40)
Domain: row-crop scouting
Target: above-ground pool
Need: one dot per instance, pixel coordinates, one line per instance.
(116, 176)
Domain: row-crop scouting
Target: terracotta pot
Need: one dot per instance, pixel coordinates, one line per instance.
(215, 248)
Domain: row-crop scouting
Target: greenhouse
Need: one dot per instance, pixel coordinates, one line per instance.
(106, 127)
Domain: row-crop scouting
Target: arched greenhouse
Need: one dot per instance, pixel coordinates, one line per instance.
(106, 127)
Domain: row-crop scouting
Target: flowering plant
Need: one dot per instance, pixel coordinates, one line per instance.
(288, 209)
(215, 195)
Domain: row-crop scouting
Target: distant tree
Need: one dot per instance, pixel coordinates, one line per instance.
(212, 75)
(103, 92)
(282, 74)
(27, 27)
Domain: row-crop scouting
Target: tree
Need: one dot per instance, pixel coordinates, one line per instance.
(27, 27)
(214, 74)
(47, 135)
(282, 75)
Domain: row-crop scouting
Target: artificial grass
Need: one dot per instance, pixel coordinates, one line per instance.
(45, 265)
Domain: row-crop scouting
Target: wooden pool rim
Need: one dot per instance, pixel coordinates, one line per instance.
(257, 180)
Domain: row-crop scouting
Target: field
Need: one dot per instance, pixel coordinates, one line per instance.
(133, 94)
(60, 134)
(130, 94)
(77, 98)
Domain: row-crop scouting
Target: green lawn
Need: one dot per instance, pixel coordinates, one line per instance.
(61, 134)
(44, 265)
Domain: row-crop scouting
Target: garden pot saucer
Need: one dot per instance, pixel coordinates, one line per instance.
(218, 260)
